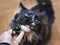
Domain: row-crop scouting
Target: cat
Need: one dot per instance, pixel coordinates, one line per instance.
(39, 21)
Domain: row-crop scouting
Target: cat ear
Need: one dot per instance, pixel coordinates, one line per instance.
(22, 6)
(16, 15)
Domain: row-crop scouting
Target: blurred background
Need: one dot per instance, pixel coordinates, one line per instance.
(8, 7)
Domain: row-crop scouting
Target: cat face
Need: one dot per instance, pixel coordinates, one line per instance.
(27, 17)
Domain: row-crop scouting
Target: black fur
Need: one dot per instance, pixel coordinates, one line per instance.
(42, 16)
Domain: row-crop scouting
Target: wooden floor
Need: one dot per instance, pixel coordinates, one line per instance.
(7, 8)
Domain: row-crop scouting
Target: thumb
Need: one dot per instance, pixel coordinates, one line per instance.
(25, 28)
(19, 38)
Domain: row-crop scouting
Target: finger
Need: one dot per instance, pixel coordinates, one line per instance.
(14, 32)
(9, 31)
(20, 36)
(25, 28)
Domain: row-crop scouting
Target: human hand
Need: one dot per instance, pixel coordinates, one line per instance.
(25, 28)
(6, 37)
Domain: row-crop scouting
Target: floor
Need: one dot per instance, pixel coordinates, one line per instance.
(8, 7)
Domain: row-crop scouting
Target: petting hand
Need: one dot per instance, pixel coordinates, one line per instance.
(6, 37)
